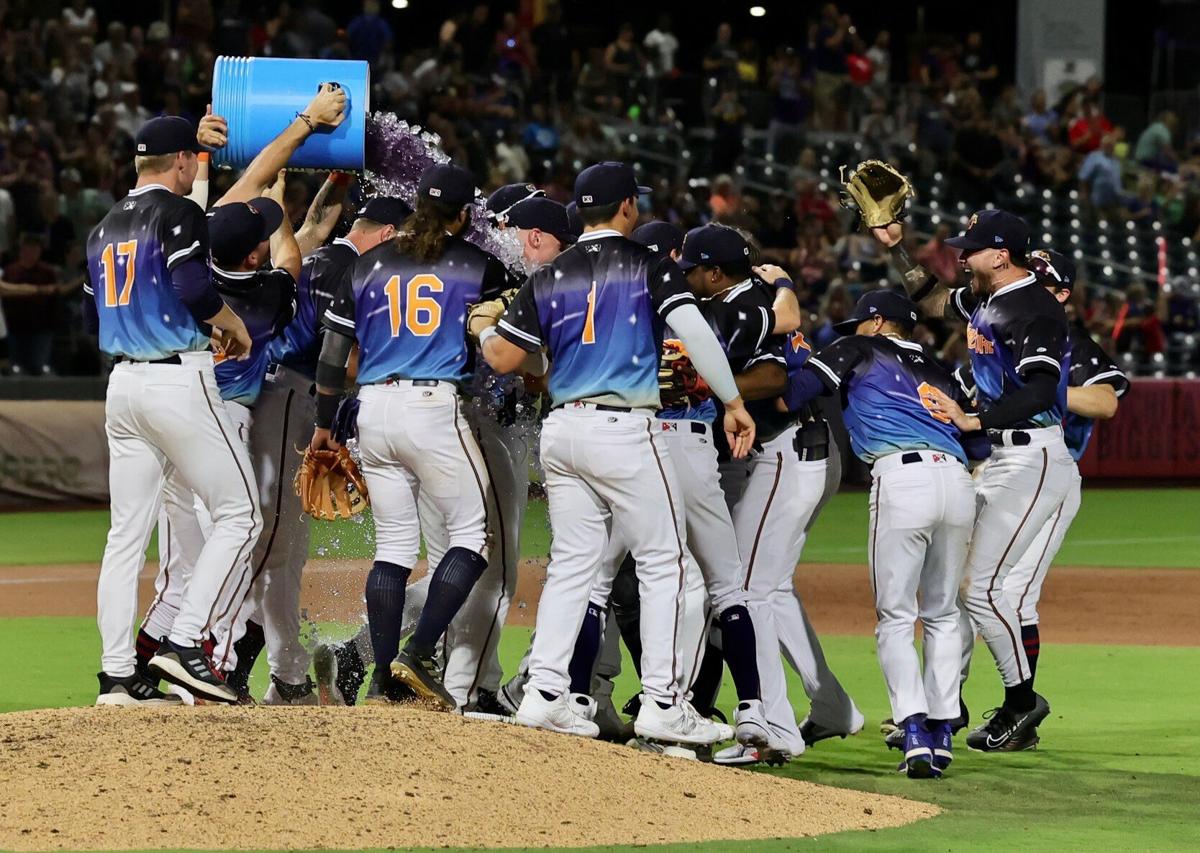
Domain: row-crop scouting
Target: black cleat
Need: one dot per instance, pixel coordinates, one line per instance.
(487, 703)
(133, 691)
(385, 690)
(1009, 731)
(190, 668)
(962, 720)
(422, 674)
(340, 673)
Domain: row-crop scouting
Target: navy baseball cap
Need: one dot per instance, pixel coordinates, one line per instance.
(660, 237)
(447, 183)
(542, 213)
(235, 229)
(500, 201)
(166, 135)
(889, 304)
(713, 246)
(385, 210)
(575, 219)
(606, 183)
(994, 229)
(1053, 269)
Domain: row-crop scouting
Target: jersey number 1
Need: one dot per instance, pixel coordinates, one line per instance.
(589, 322)
(422, 314)
(128, 251)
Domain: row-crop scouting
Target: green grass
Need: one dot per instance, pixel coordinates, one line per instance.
(1139, 528)
(1117, 770)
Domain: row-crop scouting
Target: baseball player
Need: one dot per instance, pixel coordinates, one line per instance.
(775, 495)
(1017, 337)
(406, 303)
(155, 304)
(922, 510)
(598, 308)
(1095, 386)
(500, 202)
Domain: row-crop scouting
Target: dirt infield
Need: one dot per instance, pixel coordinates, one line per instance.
(303, 778)
(1080, 605)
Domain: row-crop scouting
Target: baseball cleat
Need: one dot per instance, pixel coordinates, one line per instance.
(738, 755)
(282, 693)
(1009, 731)
(554, 715)
(918, 749)
(190, 668)
(385, 690)
(340, 673)
(942, 737)
(487, 703)
(678, 724)
(812, 731)
(894, 739)
(886, 727)
(422, 675)
(133, 691)
(508, 696)
(962, 720)
(583, 705)
(612, 726)
(750, 724)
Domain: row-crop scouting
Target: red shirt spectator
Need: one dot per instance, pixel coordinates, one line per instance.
(940, 259)
(1087, 131)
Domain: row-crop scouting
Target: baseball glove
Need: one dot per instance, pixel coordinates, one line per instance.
(488, 311)
(877, 191)
(330, 486)
(678, 382)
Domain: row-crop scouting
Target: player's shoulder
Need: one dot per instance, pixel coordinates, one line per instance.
(459, 249)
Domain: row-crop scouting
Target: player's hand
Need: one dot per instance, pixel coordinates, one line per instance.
(739, 428)
(328, 108)
(946, 410)
(890, 234)
(771, 274)
(323, 439)
(275, 191)
(235, 342)
(213, 131)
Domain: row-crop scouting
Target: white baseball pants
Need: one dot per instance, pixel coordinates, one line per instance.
(610, 470)
(1023, 585)
(160, 415)
(1020, 490)
(922, 513)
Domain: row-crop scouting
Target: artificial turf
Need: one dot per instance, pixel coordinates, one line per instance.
(1115, 527)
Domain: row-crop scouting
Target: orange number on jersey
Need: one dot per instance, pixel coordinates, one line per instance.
(127, 250)
(798, 342)
(423, 314)
(923, 389)
(589, 322)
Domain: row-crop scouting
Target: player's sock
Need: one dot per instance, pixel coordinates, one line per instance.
(385, 609)
(587, 648)
(1033, 646)
(627, 609)
(247, 650)
(456, 574)
(145, 647)
(1019, 697)
(738, 645)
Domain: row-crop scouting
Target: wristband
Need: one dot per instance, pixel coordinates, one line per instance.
(487, 333)
(327, 406)
(203, 156)
(786, 283)
(304, 118)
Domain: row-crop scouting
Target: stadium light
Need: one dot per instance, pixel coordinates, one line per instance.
(399, 4)
(757, 11)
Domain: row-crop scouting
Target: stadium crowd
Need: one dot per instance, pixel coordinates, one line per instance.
(515, 101)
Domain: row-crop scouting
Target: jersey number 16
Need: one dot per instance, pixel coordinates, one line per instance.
(422, 313)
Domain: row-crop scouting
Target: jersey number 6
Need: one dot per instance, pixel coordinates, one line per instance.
(922, 394)
(422, 314)
(128, 251)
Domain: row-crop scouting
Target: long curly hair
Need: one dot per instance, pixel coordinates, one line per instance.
(423, 235)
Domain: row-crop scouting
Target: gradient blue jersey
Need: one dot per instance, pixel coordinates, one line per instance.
(880, 380)
(1090, 365)
(599, 309)
(265, 300)
(298, 346)
(410, 316)
(1018, 329)
(130, 255)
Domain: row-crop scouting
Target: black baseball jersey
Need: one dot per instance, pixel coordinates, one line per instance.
(130, 255)
(1090, 365)
(410, 316)
(599, 309)
(1019, 328)
(881, 381)
(266, 301)
(299, 345)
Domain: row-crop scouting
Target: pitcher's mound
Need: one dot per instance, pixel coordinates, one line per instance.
(268, 778)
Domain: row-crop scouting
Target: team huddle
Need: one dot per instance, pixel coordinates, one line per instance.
(682, 443)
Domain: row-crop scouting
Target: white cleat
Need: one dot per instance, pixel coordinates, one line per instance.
(750, 724)
(583, 705)
(537, 712)
(680, 724)
(738, 755)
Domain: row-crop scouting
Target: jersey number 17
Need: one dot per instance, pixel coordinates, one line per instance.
(127, 251)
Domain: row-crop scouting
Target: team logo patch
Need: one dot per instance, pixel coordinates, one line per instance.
(798, 343)
(587, 199)
(978, 343)
(939, 457)
(667, 426)
(971, 222)
(434, 192)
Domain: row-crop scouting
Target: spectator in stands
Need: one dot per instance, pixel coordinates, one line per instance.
(30, 294)
(8, 224)
(79, 19)
(512, 49)
(720, 62)
(725, 202)
(1154, 149)
(557, 54)
(369, 33)
(23, 172)
(82, 206)
(879, 125)
(624, 64)
(1137, 327)
(976, 160)
(833, 42)
(1086, 132)
(116, 50)
(1041, 121)
(729, 122)
(789, 98)
(978, 64)
(1100, 176)
(880, 54)
(541, 137)
(1176, 306)
(128, 111)
(662, 45)
(835, 308)
(940, 259)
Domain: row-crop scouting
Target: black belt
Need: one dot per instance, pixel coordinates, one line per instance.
(124, 359)
(1019, 438)
(416, 383)
(811, 441)
(699, 428)
(910, 458)
(600, 407)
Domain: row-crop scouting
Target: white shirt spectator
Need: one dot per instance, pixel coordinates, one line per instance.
(79, 22)
(881, 62)
(8, 221)
(663, 45)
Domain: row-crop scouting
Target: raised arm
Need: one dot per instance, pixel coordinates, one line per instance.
(323, 213)
(285, 251)
(931, 296)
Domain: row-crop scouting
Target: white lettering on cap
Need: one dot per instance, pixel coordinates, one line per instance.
(587, 199)
(434, 192)
(141, 146)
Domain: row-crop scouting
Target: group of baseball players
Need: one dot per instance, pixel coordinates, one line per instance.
(684, 453)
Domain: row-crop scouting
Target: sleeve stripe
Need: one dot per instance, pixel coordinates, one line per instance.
(341, 321)
(662, 309)
(767, 324)
(1107, 374)
(174, 256)
(768, 356)
(1045, 359)
(956, 298)
(525, 336)
(87, 288)
(833, 377)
